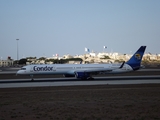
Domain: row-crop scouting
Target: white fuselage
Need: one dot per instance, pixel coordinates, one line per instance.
(72, 68)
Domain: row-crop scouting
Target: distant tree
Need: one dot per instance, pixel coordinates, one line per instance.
(22, 61)
(31, 58)
(106, 57)
(15, 62)
(75, 59)
(56, 61)
(42, 58)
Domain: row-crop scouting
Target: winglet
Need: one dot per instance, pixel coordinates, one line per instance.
(135, 60)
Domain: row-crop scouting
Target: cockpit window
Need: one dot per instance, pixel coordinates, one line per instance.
(23, 68)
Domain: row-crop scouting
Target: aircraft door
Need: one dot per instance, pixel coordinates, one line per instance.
(127, 67)
(31, 69)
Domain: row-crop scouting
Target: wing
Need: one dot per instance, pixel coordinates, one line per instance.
(95, 71)
(86, 73)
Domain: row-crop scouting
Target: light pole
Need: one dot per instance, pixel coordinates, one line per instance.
(17, 48)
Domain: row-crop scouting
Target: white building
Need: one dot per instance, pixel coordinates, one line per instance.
(8, 62)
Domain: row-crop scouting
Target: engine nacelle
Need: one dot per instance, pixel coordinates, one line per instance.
(82, 75)
(68, 75)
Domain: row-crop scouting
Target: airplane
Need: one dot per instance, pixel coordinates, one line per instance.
(84, 71)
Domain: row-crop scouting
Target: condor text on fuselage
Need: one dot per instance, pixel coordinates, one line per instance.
(46, 68)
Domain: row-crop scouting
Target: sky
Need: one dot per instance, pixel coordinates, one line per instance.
(49, 27)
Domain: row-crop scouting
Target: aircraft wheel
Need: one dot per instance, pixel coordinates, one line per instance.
(90, 78)
(83, 78)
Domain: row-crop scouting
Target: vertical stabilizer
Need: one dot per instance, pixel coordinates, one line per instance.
(135, 60)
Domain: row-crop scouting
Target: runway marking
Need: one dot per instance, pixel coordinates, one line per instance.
(72, 81)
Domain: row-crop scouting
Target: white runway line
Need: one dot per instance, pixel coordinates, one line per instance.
(73, 83)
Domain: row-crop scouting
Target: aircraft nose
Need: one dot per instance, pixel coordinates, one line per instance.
(18, 72)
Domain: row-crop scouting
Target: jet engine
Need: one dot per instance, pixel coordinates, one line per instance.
(68, 75)
(82, 75)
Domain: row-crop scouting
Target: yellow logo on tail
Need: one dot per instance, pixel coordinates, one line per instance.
(138, 56)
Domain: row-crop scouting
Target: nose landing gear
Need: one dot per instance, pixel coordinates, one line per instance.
(32, 79)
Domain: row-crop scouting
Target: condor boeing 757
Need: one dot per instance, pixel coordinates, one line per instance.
(84, 71)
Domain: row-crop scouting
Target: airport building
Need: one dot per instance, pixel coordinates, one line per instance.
(8, 62)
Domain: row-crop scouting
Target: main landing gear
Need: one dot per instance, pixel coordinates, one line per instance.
(32, 79)
(90, 78)
(83, 76)
(87, 78)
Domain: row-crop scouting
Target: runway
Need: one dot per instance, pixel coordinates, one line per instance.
(47, 82)
(148, 76)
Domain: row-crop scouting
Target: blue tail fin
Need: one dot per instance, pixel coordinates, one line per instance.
(135, 60)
